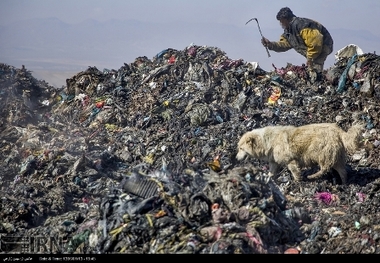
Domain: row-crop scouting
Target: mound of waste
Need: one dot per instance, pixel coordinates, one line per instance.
(142, 159)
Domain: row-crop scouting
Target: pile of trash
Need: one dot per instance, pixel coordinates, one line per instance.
(142, 159)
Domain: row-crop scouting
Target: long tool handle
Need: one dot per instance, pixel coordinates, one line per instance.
(267, 52)
(261, 33)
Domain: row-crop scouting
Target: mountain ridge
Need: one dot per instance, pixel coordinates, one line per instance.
(50, 44)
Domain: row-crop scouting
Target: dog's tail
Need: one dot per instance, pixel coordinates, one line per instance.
(352, 139)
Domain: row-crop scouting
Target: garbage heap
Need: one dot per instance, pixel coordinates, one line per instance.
(141, 159)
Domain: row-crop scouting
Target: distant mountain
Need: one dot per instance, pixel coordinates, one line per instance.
(50, 40)
(363, 38)
(50, 44)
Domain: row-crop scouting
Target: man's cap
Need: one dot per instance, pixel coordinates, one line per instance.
(285, 13)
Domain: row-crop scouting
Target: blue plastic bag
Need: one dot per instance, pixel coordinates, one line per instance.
(343, 77)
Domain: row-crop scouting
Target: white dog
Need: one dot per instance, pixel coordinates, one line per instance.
(322, 144)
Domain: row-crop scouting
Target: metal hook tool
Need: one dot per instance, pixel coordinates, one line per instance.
(260, 32)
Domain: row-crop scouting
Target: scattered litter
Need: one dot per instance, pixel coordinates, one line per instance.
(141, 159)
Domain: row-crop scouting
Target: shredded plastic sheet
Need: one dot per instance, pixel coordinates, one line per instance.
(348, 51)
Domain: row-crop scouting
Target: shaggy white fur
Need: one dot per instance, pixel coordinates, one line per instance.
(324, 144)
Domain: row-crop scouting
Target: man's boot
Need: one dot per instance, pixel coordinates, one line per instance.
(319, 77)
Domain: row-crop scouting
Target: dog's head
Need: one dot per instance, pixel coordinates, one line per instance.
(249, 144)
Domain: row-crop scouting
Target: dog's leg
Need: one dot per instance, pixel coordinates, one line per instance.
(341, 169)
(295, 170)
(273, 169)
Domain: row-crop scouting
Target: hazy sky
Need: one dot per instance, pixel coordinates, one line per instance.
(363, 14)
(333, 14)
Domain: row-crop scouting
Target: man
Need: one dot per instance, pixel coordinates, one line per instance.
(306, 36)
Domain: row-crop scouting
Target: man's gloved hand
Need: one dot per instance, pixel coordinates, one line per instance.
(265, 42)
